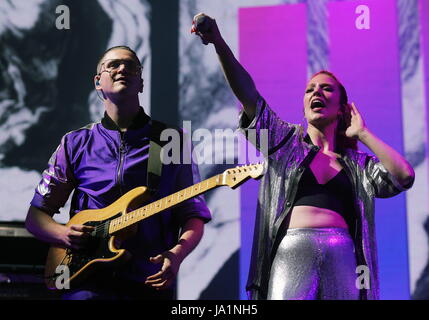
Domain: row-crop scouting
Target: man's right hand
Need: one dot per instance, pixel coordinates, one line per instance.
(45, 228)
(75, 236)
(208, 31)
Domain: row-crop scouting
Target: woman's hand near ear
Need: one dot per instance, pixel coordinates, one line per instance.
(357, 124)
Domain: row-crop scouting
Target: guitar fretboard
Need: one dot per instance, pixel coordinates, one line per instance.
(152, 208)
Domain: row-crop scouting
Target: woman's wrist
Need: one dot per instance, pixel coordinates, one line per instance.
(363, 135)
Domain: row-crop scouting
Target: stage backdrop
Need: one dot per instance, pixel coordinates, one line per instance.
(380, 51)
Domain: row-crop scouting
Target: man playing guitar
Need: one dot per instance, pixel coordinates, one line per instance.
(103, 161)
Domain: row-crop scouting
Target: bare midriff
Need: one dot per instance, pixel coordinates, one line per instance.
(314, 217)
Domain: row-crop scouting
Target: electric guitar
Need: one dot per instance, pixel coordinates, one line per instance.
(113, 224)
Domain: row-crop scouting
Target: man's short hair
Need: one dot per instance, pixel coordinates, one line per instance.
(113, 48)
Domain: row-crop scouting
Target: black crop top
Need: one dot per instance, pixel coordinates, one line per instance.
(335, 195)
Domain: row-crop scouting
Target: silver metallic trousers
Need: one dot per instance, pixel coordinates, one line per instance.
(314, 264)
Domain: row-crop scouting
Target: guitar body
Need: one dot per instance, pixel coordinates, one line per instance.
(66, 267)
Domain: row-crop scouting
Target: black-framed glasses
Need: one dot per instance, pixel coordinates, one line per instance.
(131, 66)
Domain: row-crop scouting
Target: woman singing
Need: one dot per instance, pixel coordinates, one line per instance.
(314, 229)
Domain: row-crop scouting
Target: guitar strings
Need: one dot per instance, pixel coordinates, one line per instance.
(103, 224)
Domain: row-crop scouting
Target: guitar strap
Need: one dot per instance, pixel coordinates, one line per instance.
(154, 166)
(154, 169)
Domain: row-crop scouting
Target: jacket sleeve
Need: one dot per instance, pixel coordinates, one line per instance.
(384, 184)
(266, 131)
(57, 182)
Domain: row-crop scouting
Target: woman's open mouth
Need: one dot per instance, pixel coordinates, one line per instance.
(317, 105)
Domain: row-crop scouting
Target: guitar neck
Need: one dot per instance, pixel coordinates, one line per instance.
(165, 203)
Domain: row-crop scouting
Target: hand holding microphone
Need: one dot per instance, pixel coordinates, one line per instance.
(206, 28)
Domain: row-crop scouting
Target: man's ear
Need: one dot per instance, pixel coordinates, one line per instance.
(97, 82)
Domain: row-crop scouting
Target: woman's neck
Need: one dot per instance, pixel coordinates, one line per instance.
(323, 138)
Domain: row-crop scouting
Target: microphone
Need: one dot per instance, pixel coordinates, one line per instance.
(201, 24)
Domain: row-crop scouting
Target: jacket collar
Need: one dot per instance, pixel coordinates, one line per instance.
(141, 120)
(308, 139)
(338, 150)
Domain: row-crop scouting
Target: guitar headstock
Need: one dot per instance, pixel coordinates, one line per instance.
(235, 176)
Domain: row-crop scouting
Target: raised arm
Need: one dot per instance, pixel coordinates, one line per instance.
(238, 78)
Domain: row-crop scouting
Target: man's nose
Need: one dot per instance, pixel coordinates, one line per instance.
(122, 68)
